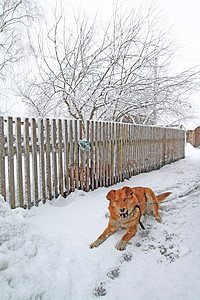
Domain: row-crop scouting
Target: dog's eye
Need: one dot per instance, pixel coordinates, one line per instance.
(116, 200)
(125, 199)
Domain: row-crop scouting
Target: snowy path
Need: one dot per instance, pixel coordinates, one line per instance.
(45, 253)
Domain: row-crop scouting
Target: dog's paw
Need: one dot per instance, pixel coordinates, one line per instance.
(95, 243)
(158, 219)
(121, 246)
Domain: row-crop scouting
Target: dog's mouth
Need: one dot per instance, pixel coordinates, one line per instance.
(124, 215)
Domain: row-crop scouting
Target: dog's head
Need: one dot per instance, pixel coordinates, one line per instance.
(122, 201)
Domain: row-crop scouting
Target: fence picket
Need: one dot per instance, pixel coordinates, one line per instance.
(100, 154)
(81, 157)
(2, 160)
(54, 159)
(20, 195)
(71, 155)
(66, 157)
(87, 160)
(60, 158)
(27, 164)
(11, 181)
(96, 155)
(41, 161)
(92, 154)
(48, 160)
(34, 163)
(76, 153)
(117, 141)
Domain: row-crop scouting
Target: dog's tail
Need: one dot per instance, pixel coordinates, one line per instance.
(163, 196)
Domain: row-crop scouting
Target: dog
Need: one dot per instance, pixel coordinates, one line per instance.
(126, 207)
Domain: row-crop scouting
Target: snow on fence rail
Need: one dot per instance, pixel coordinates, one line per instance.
(42, 158)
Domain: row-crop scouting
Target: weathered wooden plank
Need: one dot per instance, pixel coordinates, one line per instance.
(2, 160)
(100, 154)
(145, 147)
(48, 160)
(117, 154)
(122, 152)
(27, 164)
(71, 155)
(96, 154)
(60, 158)
(131, 150)
(54, 159)
(103, 155)
(41, 161)
(126, 143)
(112, 156)
(92, 154)
(82, 185)
(88, 158)
(11, 181)
(107, 154)
(35, 194)
(76, 153)
(66, 157)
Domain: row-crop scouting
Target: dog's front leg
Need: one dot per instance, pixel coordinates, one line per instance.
(107, 232)
(130, 233)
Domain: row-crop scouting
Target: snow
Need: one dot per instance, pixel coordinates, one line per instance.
(45, 252)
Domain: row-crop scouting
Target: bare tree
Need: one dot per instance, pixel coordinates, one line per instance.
(110, 74)
(15, 15)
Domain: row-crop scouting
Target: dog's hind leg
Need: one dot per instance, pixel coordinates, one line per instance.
(152, 208)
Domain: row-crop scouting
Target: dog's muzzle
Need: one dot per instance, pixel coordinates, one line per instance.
(123, 214)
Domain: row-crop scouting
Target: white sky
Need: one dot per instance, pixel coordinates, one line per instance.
(183, 15)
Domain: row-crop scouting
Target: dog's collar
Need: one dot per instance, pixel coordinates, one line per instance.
(137, 206)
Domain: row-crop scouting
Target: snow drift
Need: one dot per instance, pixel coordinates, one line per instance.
(44, 252)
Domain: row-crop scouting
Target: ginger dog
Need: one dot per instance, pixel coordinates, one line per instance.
(126, 207)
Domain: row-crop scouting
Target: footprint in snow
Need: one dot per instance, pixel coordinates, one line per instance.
(100, 289)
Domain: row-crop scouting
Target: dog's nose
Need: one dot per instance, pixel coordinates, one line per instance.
(122, 210)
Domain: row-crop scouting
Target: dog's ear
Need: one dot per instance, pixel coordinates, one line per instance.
(111, 195)
(128, 191)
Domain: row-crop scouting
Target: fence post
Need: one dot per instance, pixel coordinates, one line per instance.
(76, 153)
(66, 157)
(88, 157)
(41, 160)
(2, 160)
(96, 155)
(20, 195)
(27, 164)
(112, 132)
(71, 155)
(48, 160)
(81, 157)
(92, 154)
(60, 159)
(11, 181)
(34, 161)
(100, 154)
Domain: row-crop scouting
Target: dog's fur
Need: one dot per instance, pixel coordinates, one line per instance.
(124, 214)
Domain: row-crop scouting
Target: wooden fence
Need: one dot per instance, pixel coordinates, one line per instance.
(42, 158)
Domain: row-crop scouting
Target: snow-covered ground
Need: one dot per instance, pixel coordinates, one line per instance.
(45, 252)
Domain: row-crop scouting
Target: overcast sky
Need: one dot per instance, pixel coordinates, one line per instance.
(182, 15)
